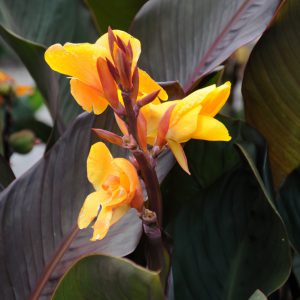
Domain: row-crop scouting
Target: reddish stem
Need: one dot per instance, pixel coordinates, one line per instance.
(144, 161)
(151, 183)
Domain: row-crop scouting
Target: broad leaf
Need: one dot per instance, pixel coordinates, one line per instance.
(38, 213)
(29, 27)
(217, 158)
(115, 13)
(258, 295)
(173, 89)
(271, 90)
(228, 239)
(289, 206)
(6, 174)
(183, 40)
(106, 278)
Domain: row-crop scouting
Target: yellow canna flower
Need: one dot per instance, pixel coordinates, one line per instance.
(88, 65)
(176, 122)
(117, 189)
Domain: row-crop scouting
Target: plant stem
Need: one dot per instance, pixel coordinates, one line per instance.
(144, 161)
(131, 116)
(151, 183)
(154, 243)
(152, 218)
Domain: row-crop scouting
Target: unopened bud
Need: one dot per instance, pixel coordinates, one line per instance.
(108, 136)
(22, 141)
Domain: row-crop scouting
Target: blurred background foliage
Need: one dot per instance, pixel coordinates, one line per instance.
(233, 224)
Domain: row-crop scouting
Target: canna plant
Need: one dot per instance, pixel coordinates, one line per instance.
(151, 193)
(142, 118)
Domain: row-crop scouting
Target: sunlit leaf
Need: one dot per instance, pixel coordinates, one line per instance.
(271, 90)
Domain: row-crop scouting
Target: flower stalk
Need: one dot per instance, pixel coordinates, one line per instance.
(145, 161)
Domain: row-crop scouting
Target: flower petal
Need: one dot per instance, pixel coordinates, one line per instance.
(201, 93)
(118, 197)
(153, 114)
(102, 223)
(128, 176)
(118, 213)
(215, 100)
(122, 125)
(22, 90)
(137, 201)
(179, 154)
(76, 60)
(147, 85)
(125, 37)
(210, 129)
(184, 118)
(99, 164)
(88, 97)
(89, 209)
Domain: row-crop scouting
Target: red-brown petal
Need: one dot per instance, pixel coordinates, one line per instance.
(108, 136)
(108, 83)
(163, 127)
(142, 131)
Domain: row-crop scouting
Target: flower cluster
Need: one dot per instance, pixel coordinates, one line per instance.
(106, 74)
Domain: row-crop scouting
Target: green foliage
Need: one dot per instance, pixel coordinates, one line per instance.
(106, 278)
(289, 206)
(271, 90)
(22, 141)
(258, 295)
(58, 21)
(23, 116)
(224, 225)
(115, 13)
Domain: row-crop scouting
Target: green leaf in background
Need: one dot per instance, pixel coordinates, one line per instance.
(32, 55)
(228, 239)
(6, 174)
(38, 213)
(22, 141)
(271, 90)
(184, 40)
(107, 278)
(258, 295)
(288, 204)
(23, 116)
(217, 158)
(29, 27)
(115, 13)
(33, 101)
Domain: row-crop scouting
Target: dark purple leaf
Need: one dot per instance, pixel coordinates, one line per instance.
(184, 40)
(38, 213)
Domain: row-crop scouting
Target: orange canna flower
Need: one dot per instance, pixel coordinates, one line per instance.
(176, 122)
(95, 69)
(7, 82)
(117, 189)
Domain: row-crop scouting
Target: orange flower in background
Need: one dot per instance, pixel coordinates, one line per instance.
(90, 66)
(7, 83)
(117, 190)
(176, 122)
